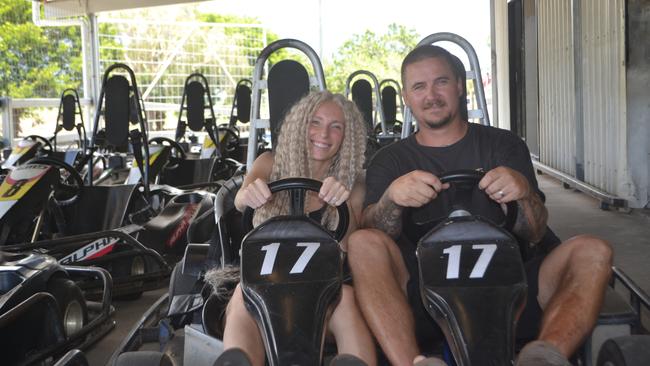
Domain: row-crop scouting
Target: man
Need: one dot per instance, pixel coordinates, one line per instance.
(568, 283)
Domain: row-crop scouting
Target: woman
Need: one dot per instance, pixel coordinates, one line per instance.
(323, 137)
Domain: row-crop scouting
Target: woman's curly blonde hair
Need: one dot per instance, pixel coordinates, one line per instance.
(293, 157)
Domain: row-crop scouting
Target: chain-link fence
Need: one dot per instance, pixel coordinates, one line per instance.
(38, 61)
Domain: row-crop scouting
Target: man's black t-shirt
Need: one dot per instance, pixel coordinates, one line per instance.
(482, 147)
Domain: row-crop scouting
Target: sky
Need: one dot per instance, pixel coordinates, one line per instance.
(341, 19)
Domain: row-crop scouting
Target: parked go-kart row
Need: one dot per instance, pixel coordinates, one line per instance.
(135, 230)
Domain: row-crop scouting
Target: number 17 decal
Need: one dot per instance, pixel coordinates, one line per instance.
(484, 259)
(272, 252)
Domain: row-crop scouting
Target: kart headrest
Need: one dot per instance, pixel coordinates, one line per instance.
(117, 110)
(243, 97)
(362, 96)
(389, 103)
(288, 82)
(69, 103)
(195, 105)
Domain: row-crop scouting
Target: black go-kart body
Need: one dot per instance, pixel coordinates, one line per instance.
(473, 284)
(25, 150)
(43, 312)
(291, 273)
(139, 248)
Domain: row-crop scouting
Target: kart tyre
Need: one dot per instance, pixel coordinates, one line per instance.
(130, 266)
(633, 350)
(74, 313)
(144, 358)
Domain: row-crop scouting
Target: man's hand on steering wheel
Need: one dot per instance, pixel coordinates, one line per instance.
(503, 185)
(415, 189)
(333, 192)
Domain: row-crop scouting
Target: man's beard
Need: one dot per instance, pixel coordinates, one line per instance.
(434, 125)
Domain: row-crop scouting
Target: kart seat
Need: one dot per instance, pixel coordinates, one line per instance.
(112, 201)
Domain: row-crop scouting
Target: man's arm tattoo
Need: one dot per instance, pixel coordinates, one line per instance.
(385, 216)
(531, 218)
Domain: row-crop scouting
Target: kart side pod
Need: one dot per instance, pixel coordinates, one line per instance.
(473, 284)
(291, 273)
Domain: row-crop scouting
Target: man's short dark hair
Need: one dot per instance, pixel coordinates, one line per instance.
(430, 51)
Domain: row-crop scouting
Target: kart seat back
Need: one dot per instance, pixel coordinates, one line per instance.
(291, 273)
(69, 104)
(117, 110)
(108, 205)
(389, 103)
(362, 97)
(195, 105)
(188, 171)
(288, 82)
(473, 284)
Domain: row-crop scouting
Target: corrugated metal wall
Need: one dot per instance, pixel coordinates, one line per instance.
(604, 93)
(602, 99)
(556, 86)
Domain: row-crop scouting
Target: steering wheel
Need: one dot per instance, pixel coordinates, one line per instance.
(70, 188)
(466, 181)
(394, 127)
(225, 168)
(297, 188)
(46, 143)
(229, 140)
(174, 145)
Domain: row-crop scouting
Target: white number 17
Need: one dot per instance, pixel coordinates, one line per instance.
(453, 266)
(272, 252)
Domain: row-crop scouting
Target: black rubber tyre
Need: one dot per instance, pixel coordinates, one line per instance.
(72, 305)
(633, 350)
(144, 358)
(126, 267)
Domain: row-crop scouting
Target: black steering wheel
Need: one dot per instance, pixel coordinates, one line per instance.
(394, 127)
(466, 181)
(173, 144)
(46, 143)
(229, 140)
(297, 188)
(461, 199)
(70, 188)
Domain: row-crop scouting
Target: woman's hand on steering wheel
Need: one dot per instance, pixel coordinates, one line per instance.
(333, 192)
(256, 194)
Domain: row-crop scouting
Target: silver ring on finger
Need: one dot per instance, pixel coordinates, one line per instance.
(501, 194)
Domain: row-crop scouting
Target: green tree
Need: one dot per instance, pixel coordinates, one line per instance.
(381, 54)
(35, 61)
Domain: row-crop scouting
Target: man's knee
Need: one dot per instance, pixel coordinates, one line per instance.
(590, 249)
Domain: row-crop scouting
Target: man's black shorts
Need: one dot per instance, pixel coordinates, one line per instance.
(427, 332)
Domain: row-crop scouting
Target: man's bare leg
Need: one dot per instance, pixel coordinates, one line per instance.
(572, 283)
(380, 278)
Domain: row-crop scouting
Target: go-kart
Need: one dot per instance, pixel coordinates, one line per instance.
(43, 312)
(26, 149)
(473, 285)
(291, 273)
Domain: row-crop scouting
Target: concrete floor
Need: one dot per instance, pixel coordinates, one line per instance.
(570, 213)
